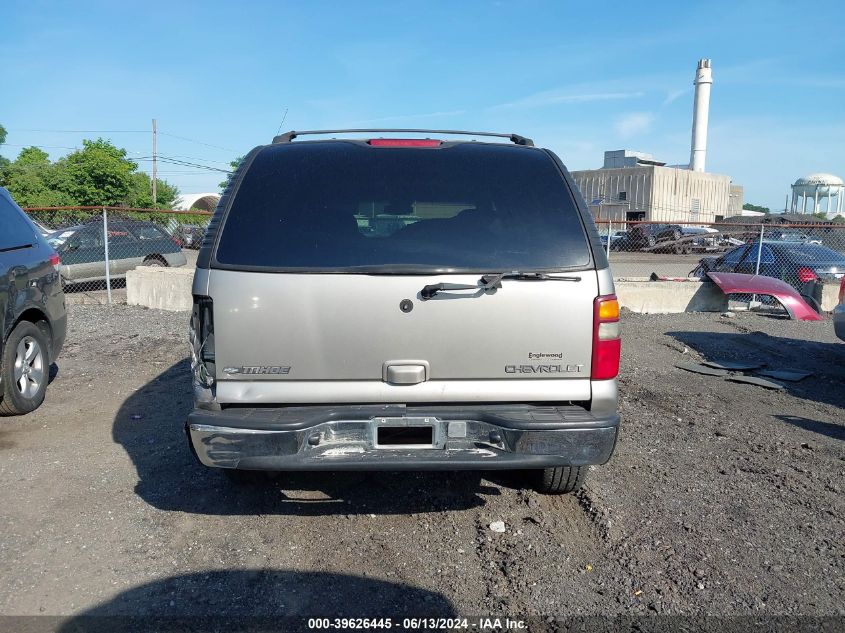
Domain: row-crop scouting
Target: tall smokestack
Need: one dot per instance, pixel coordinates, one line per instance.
(700, 113)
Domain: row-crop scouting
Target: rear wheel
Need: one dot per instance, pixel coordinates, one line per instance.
(25, 368)
(560, 479)
(155, 261)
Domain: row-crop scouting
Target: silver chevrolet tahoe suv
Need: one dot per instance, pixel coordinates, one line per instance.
(384, 303)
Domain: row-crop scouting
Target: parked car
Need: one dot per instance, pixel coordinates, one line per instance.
(618, 235)
(33, 319)
(481, 332)
(132, 243)
(645, 235)
(804, 266)
(839, 312)
(189, 235)
(40, 227)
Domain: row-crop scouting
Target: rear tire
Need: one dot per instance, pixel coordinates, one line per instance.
(560, 479)
(25, 368)
(155, 261)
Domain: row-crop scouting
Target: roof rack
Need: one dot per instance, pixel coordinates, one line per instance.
(287, 137)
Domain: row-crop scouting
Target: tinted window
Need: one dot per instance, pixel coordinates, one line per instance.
(812, 253)
(147, 232)
(119, 233)
(340, 205)
(15, 230)
(86, 238)
(734, 256)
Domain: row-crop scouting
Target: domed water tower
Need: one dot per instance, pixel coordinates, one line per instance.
(818, 188)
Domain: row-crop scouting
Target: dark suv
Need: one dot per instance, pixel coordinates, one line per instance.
(32, 310)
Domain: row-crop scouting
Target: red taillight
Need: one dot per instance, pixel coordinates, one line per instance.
(404, 142)
(842, 291)
(607, 345)
(54, 260)
(806, 274)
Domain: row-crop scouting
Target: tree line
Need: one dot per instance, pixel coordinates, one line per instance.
(99, 174)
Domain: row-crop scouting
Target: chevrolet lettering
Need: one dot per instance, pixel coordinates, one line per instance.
(543, 369)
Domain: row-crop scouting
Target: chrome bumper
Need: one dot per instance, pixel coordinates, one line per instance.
(459, 442)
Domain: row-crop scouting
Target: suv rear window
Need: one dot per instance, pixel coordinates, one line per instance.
(326, 206)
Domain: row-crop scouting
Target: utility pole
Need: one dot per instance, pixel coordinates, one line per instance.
(154, 163)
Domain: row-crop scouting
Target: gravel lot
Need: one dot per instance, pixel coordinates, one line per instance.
(722, 498)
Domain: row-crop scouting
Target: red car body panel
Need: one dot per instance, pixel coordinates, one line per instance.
(738, 283)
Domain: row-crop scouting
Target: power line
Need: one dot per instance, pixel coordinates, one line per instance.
(81, 131)
(56, 131)
(40, 146)
(184, 163)
(191, 140)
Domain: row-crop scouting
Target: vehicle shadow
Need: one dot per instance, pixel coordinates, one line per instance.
(255, 600)
(150, 427)
(836, 431)
(826, 361)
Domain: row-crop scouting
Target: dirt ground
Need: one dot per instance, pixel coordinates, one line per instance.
(722, 498)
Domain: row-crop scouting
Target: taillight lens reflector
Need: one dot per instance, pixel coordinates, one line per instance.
(806, 274)
(607, 344)
(404, 142)
(54, 260)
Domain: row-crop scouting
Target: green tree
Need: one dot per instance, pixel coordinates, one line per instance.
(3, 160)
(234, 165)
(141, 195)
(753, 207)
(99, 174)
(34, 181)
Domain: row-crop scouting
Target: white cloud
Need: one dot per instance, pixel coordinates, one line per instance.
(674, 95)
(633, 124)
(411, 117)
(552, 97)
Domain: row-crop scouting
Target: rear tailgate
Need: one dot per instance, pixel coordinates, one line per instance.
(331, 337)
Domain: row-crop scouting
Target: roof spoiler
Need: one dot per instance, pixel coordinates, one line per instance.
(287, 137)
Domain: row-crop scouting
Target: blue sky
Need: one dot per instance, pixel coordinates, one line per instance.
(579, 78)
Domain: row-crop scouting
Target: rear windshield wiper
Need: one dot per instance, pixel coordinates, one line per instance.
(495, 281)
(492, 282)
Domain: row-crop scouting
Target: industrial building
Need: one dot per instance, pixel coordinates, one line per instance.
(634, 186)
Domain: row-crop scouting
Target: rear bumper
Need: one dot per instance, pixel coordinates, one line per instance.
(346, 437)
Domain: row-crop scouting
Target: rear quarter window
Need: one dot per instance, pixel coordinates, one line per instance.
(336, 206)
(15, 230)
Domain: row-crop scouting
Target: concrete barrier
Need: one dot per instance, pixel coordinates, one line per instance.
(170, 289)
(160, 288)
(668, 297)
(830, 296)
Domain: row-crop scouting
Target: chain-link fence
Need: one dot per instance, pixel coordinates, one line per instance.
(97, 246)
(807, 256)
